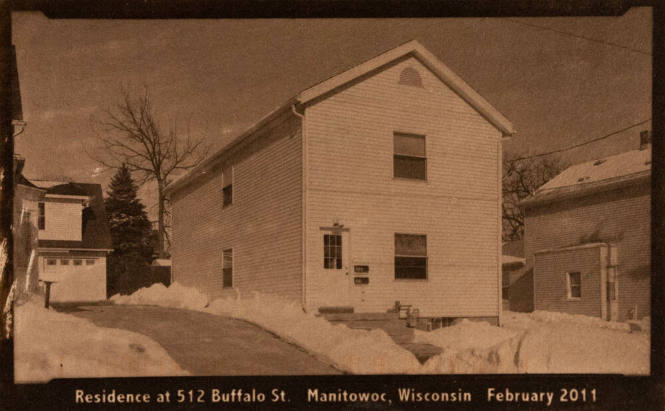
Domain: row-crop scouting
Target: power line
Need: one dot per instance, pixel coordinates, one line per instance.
(565, 33)
(581, 144)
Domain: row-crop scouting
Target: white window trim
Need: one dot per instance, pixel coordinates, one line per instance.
(233, 269)
(424, 136)
(233, 178)
(426, 257)
(568, 288)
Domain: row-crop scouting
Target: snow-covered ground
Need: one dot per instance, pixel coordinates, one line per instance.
(355, 351)
(540, 342)
(51, 345)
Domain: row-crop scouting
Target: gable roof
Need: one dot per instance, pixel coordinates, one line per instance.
(320, 90)
(96, 233)
(72, 189)
(600, 174)
(417, 50)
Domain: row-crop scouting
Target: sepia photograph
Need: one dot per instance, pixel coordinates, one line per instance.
(347, 196)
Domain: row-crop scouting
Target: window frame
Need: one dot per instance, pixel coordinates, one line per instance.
(227, 190)
(570, 286)
(224, 251)
(77, 261)
(41, 215)
(407, 156)
(336, 257)
(425, 257)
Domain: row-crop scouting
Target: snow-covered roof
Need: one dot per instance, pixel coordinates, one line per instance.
(599, 173)
(510, 260)
(162, 262)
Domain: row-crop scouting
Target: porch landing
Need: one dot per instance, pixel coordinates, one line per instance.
(390, 323)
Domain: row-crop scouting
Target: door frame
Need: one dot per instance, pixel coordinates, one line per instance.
(345, 232)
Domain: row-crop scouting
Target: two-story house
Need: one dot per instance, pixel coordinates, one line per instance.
(61, 236)
(587, 240)
(377, 185)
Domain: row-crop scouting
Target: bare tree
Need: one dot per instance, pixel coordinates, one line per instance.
(131, 135)
(521, 178)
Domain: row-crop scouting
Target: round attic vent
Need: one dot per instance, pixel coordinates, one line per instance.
(410, 77)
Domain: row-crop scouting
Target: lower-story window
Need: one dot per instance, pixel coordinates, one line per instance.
(574, 285)
(51, 261)
(78, 262)
(227, 268)
(90, 262)
(411, 256)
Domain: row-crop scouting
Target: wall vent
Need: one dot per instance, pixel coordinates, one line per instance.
(410, 77)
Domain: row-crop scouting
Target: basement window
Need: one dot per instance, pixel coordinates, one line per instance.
(78, 262)
(41, 221)
(227, 186)
(89, 262)
(51, 261)
(332, 251)
(574, 285)
(64, 262)
(227, 268)
(409, 160)
(410, 257)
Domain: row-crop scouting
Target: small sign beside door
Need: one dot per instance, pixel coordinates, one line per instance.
(361, 269)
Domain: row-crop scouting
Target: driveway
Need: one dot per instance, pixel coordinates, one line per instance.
(206, 344)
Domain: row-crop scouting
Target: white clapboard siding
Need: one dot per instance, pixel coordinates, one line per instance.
(63, 221)
(349, 143)
(262, 226)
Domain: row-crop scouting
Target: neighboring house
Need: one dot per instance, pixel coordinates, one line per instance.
(587, 239)
(62, 236)
(380, 184)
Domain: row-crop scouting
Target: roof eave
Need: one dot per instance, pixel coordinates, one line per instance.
(601, 186)
(452, 80)
(201, 169)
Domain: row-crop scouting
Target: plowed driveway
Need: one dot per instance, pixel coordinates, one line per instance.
(206, 344)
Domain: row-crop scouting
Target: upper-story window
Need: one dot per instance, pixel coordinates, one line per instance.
(409, 159)
(227, 186)
(41, 220)
(410, 77)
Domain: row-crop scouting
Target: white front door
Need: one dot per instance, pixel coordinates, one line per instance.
(335, 268)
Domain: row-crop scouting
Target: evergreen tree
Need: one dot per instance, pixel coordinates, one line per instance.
(129, 263)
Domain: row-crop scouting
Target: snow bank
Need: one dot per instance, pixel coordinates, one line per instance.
(561, 347)
(539, 342)
(175, 296)
(591, 322)
(355, 351)
(351, 350)
(50, 345)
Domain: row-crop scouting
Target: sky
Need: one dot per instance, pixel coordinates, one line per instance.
(221, 76)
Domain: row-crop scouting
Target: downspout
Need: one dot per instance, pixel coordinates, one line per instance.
(499, 247)
(303, 207)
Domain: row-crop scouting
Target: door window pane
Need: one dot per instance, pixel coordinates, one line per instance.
(332, 251)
